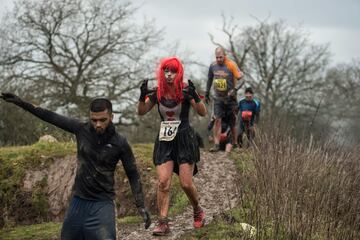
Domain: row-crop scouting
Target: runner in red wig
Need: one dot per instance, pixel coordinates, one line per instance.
(176, 147)
(174, 65)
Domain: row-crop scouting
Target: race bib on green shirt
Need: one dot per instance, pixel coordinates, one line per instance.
(168, 130)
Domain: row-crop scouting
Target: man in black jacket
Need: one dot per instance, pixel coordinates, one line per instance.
(91, 214)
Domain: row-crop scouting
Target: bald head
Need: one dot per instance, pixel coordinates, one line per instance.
(220, 50)
(220, 55)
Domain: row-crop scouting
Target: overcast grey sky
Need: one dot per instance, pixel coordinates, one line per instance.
(189, 21)
(328, 21)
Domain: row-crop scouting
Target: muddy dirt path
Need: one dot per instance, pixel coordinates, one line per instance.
(216, 183)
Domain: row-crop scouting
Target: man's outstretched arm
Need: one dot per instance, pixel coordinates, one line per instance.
(65, 123)
(132, 173)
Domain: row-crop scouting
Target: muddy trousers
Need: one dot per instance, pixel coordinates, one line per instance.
(89, 220)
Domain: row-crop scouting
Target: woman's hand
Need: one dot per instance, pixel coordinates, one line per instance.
(143, 90)
(192, 91)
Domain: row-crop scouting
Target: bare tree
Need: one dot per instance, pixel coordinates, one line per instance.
(279, 62)
(67, 52)
(342, 98)
(342, 90)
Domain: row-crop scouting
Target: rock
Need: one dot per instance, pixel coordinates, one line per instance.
(31, 178)
(47, 138)
(60, 179)
(251, 230)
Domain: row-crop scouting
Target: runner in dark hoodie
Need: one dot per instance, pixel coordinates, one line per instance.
(91, 214)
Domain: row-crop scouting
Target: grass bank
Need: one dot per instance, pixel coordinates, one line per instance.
(292, 190)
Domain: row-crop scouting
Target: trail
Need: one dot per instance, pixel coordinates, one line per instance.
(218, 190)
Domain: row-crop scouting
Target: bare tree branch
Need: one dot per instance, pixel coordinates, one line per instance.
(68, 52)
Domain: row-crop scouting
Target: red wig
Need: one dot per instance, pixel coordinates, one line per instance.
(173, 64)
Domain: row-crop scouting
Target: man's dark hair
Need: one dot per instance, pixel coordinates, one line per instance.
(249, 90)
(100, 105)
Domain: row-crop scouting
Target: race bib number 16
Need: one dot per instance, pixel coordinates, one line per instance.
(168, 130)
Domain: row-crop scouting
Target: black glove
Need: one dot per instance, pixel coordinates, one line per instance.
(143, 90)
(192, 91)
(207, 97)
(11, 98)
(146, 217)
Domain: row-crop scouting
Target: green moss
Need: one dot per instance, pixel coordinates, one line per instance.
(50, 230)
(129, 220)
(37, 155)
(143, 154)
(37, 231)
(39, 200)
(243, 160)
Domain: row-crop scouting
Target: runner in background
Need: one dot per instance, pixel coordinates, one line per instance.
(249, 112)
(224, 73)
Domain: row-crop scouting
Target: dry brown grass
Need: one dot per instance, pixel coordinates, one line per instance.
(295, 190)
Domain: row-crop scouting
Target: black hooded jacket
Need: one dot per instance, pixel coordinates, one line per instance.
(98, 155)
